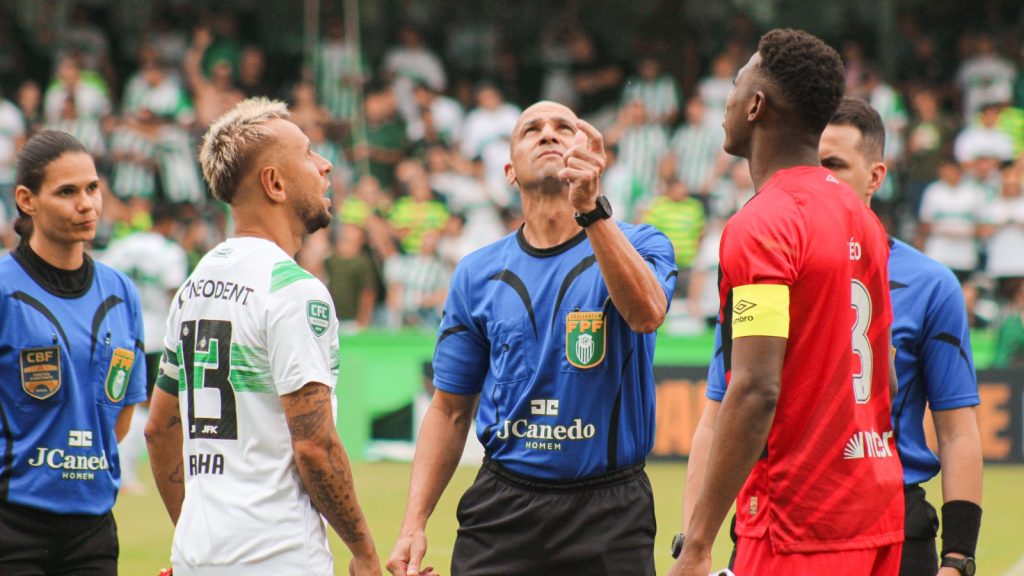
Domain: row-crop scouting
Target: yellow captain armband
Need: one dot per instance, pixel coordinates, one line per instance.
(760, 310)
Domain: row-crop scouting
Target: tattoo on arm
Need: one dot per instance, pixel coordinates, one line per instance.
(325, 472)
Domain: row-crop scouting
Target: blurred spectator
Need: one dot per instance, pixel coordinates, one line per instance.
(30, 100)
(417, 286)
(305, 109)
(702, 297)
(1004, 233)
(696, 145)
(167, 37)
(438, 119)
(949, 218)
(252, 67)
(339, 73)
(416, 212)
(365, 199)
(412, 60)
(455, 243)
(466, 195)
(82, 39)
(214, 95)
(984, 76)
(656, 89)
(730, 193)
(486, 132)
(641, 144)
(714, 90)
(624, 191)
(12, 136)
(929, 141)
(383, 144)
(681, 218)
(351, 278)
(596, 78)
(983, 139)
(556, 61)
(76, 102)
(1010, 332)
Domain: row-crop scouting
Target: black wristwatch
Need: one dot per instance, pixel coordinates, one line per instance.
(677, 544)
(964, 566)
(603, 210)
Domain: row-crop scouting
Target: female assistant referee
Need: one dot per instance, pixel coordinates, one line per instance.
(71, 369)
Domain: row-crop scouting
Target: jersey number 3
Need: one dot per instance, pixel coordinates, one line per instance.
(861, 302)
(206, 347)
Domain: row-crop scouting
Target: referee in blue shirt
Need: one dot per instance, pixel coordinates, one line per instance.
(551, 330)
(934, 367)
(71, 369)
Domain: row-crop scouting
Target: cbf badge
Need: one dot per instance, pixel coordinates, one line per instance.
(117, 376)
(40, 371)
(318, 314)
(584, 338)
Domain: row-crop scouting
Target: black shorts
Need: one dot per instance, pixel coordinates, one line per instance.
(511, 525)
(37, 543)
(920, 527)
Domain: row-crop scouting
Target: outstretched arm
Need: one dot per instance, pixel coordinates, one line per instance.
(634, 289)
(438, 449)
(326, 473)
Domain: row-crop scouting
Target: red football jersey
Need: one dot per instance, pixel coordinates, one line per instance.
(829, 478)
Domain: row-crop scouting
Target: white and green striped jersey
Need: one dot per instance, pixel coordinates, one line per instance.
(660, 96)
(249, 325)
(696, 147)
(337, 66)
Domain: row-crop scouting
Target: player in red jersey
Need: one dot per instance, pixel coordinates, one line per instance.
(805, 419)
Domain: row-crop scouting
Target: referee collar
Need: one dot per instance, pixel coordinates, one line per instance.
(552, 251)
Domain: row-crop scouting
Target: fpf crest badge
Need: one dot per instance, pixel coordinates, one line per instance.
(40, 371)
(585, 338)
(118, 374)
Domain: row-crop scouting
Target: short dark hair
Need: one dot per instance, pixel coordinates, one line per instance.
(34, 158)
(862, 116)
(808, 72)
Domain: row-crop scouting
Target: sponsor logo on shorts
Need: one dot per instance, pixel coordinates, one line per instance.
(868, 444)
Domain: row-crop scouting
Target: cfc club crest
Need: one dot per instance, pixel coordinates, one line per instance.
(318, 314)
(584, 338)
(120, 371)
(40, 371)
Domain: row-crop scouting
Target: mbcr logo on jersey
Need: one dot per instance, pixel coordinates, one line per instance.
(585, 338)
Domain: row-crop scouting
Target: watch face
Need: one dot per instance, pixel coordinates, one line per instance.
(969, 567)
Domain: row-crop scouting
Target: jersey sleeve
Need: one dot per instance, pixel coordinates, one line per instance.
(462, 355)
(137, 381)
(167, 380)
(654, 247)
(946, 360)
(302, 336)
(716, 370)
(763, 245)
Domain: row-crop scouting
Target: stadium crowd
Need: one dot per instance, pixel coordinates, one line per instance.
(419, 139)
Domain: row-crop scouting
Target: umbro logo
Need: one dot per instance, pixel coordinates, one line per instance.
(742, 306)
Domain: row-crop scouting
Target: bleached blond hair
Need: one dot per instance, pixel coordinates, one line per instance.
(232, 141)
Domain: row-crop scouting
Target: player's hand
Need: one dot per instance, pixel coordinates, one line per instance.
(692, 563)
(360, 566)
(408, 554)
(584, 163)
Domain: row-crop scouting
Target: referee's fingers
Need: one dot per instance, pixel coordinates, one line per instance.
(416, 552)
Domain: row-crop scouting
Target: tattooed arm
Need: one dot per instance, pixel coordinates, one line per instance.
(324, 468)
(163, 438)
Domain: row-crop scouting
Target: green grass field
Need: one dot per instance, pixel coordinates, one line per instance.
(145, 531)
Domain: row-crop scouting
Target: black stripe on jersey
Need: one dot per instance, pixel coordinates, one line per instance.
(894, 285)
(101, 313)
(950, 339)
(8, 463)
(509, 277)
(671, 274)
(613, 424)
(19, 295)
(450, 331)
(573, 274)
(141, 346)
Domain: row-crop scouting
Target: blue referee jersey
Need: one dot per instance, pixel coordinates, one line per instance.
(67, 368)
(566, 387)
(934, 364)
